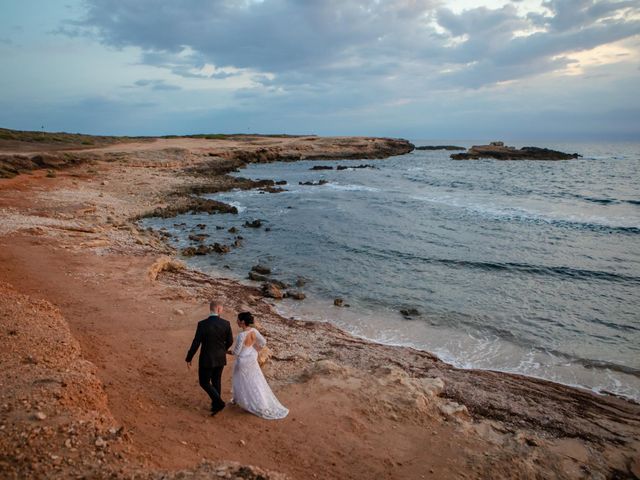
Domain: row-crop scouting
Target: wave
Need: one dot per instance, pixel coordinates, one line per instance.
(594, 224)
(351, 188)
(509, 267)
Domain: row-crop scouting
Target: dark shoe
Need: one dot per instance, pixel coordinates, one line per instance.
(217, 410)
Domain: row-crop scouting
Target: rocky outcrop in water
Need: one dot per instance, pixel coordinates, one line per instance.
(499, 151)
(439, 147)
(314, 184)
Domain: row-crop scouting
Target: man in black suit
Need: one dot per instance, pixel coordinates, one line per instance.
(214, 334)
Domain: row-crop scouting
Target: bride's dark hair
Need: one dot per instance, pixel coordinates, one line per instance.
(246, 318)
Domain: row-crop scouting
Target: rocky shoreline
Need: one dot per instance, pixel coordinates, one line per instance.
(359, 409)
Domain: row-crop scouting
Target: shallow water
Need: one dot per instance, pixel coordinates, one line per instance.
(530, 267)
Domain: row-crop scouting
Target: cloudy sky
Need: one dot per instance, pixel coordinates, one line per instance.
(432, 69)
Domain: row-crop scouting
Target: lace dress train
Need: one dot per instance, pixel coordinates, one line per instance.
(250, 389)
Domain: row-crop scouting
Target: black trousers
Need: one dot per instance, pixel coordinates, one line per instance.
(210, 381)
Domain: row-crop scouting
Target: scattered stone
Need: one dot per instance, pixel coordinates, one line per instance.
(345, 167)
(201, 226)
(338, 302)
(178, 311)
(100, 442)
(315, 184)
(256, 277)
(296, 295)
(39, 416)
(199, 237)
(321, 167)
(104, 182)
(271, 290)
(262, 269)
(281, 182)
(409, 312)
(253, 224)
(233, 230)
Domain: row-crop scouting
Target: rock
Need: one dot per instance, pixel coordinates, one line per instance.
(178, 311)
(345, 167)
(233, 230)
(338, 302)
(220, 248)
(499, 151)
(281, 182)
(319, 182)
(296, 295)
(262, 269)
(301, 282)
(237, 243)
(455, 411)
(100, 442)
(218, 227)
(188, 252)
(440, 147)
(279, 283)
(409, 312)
(39, 416)
(272, 291)
(321, 167)
(201, 226)
(200, 237)
(256, 277)
(104, 182)
(253, 224)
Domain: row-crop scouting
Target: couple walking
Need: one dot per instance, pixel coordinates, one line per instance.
(250, 389)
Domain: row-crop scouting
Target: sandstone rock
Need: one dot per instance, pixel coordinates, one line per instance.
(272, 291)
(455, 411)
(39, 416)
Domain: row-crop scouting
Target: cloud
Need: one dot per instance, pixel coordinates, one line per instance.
(298, 42)
(156, 84)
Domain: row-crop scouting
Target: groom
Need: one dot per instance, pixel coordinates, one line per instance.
(214, 334)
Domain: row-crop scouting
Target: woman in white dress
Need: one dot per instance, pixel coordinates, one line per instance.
(250, 389)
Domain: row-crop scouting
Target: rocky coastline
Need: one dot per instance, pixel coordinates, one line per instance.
(115, 401)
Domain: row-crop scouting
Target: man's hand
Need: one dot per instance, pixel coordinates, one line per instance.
(189, 365)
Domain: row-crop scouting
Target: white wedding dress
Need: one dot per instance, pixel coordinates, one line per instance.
(250, 389)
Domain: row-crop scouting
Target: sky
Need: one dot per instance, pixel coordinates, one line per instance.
(429, 69)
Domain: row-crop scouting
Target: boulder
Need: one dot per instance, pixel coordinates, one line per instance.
(338, 302)
(256, 277)
(253, 224)
(262, 269)
(409, 312)
(319, 182)
(271, 290)
(296, 295)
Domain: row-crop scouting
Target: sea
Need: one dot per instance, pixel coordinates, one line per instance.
(530, 267)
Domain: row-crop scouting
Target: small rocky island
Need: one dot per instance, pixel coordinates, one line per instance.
(499, 151)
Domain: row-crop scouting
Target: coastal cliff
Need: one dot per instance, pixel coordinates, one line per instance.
(120, 311)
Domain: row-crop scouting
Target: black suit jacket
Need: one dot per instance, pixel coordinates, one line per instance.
(214, 334)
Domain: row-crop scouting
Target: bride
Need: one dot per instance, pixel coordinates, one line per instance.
(250, 389)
